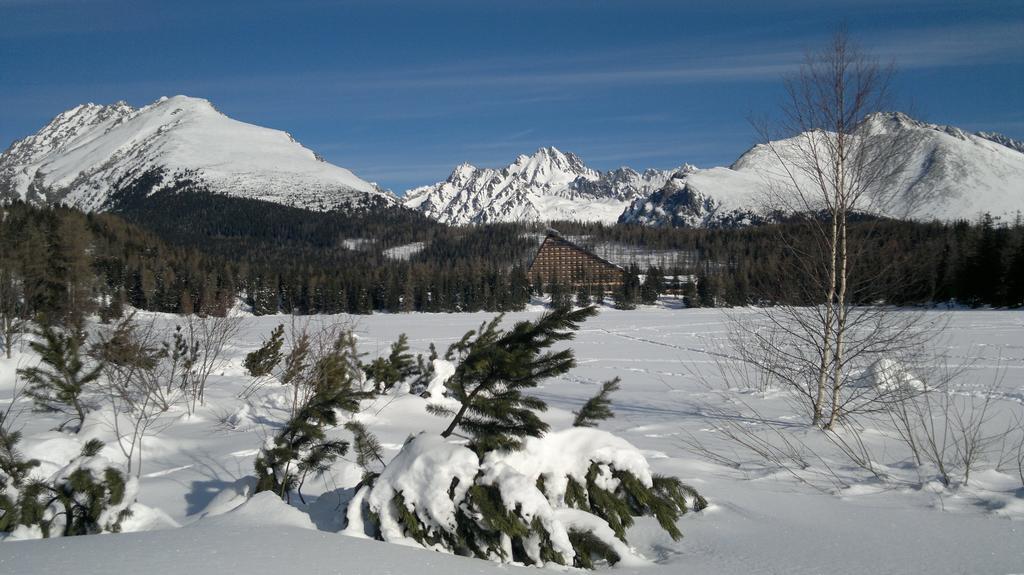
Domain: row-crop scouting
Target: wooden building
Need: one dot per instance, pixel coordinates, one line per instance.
(560, 261)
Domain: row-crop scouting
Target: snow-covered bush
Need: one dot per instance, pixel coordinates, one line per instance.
(86, 496)
(889, 375)
(14, 474)
(515, 493)
(565, 498)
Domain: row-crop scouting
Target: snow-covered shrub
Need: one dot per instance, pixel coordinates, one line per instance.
(416, 496)
(890, 375)
(598, 472)
(14, 474)
(565, 498)
(516, 493)
(86, 496)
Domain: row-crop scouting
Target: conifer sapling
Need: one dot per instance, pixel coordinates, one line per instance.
(495, 367)
(262, 361)
(302, 447)
(386, 372)
(58, 384)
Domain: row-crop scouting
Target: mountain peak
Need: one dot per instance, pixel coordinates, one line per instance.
(546, 185)
(91, 153)
(886, 120)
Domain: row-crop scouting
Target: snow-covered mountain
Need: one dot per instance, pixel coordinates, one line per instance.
(90, 156)
(960, 174)
(948, 174)
(678, 204)
(548, 185)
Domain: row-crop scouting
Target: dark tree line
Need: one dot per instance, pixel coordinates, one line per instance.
(905, 263)
(180, 254)
(63, 265)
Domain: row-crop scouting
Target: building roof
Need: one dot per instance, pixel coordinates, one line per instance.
(554, 234)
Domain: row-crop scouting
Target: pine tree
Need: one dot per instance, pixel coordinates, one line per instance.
(652, 286)
(302, 448)
(582, 296)
(705, 290)
(385, 372)
(1015, 275)
(621, 299)
(519, 288)
(13, 320)
(262, 361)
(561, 297)
(70, 278)
(495, 367)
(59, 383)
(597, 408)
(626, 294)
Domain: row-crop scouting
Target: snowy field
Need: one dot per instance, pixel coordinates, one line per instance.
(830, 517)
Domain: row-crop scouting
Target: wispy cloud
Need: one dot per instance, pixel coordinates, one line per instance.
(944, 46)
(548, 78)
(933, 47)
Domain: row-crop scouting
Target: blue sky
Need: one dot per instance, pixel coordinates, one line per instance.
(402, 91)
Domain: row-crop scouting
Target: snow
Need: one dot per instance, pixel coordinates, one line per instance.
(89, 152)
(443, 371)
(423, 472)
(760, 520)
(889, 375)
(567, 453)
(404, 252)
(260, 510)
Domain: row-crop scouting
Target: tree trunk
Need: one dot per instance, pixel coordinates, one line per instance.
(842, 308)
(826, 331)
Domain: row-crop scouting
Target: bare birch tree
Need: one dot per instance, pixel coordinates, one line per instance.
(832, 162)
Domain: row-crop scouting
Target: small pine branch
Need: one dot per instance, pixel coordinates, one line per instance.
(368, 450)
(587, 546)
(597, 408)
